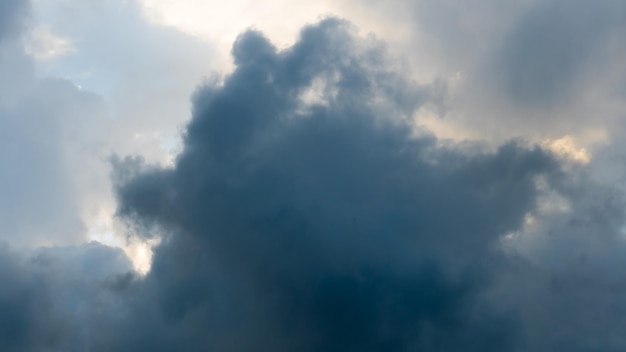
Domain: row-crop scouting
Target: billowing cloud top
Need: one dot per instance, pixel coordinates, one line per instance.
(309, 208)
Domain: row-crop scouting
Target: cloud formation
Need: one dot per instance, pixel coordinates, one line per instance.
(307, 211)
(326, 225)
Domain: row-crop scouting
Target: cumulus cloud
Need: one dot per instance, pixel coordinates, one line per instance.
(291, 223)
(330, 225)
(325, 225)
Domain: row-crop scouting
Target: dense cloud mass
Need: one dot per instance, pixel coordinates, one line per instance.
(307, 211)
(327, 225)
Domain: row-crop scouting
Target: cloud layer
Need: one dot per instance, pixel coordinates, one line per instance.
(308, 209)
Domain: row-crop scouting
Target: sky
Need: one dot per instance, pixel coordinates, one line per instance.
(348, 175)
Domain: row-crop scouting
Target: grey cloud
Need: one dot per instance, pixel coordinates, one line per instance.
(539, 52)
(41, 122)
(554, 46)
(568, 285)
(307, 213)
(40, 202)
(15, 67)
(57, 136)
(531, 68)
(53, 145)
(324, 226)
(144, 70)
(50, 301)
(11, 17)
(126, 90)
(552, 71)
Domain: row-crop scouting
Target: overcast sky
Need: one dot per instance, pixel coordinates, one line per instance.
(348, 175)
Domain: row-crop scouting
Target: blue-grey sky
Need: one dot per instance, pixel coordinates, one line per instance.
(426, 175)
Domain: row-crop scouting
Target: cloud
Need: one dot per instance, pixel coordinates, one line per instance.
(51, 301)
(11, 16)
(57, 135)
(567, 284)
(307, 211)
(554, 46)
(534, 69)
(36, 121)
(146, 72)
(122, 88)
(328, 225)
(555, 67)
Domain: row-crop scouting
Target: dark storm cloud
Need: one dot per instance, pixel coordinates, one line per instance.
(323, 226)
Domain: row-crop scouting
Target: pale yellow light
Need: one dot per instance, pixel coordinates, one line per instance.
(566, 147)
